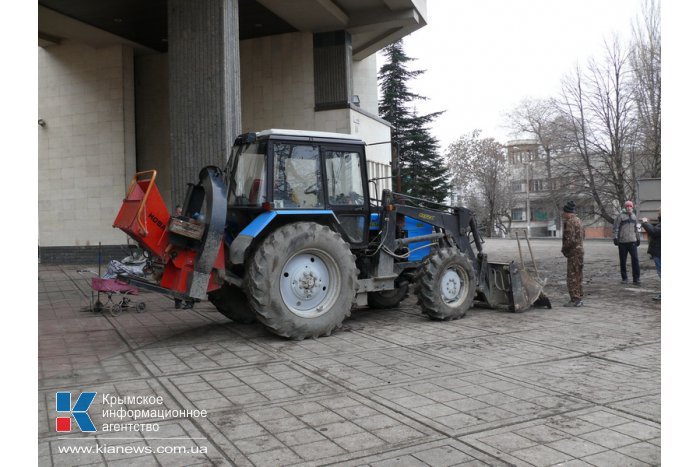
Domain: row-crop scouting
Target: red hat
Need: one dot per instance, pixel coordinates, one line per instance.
(629, 203)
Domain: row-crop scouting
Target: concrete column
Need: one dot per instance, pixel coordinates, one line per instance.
(204, 94)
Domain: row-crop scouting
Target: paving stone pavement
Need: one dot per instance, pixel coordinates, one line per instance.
(391, 388)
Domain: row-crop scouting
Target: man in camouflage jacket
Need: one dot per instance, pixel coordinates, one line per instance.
(572, 249)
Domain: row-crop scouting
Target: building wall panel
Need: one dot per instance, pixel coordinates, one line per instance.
(86, 99)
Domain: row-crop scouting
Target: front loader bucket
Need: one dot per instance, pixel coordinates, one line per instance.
(508, 286)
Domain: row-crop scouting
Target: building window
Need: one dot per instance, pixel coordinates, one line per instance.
(518, 214)
(537, 185)
(540, 215)
(518, 186)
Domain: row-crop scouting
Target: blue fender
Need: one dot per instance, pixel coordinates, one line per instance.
(240, 244)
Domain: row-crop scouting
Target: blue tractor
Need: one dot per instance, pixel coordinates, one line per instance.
(291, 233)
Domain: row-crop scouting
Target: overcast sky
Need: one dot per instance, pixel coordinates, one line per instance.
(483, 57)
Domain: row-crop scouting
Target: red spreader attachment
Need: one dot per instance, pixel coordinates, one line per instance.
(143, 215)
(178, 270)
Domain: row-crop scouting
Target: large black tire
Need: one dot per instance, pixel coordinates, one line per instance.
(302, 281)
(387, 298)
(446, 285)
(232, 303)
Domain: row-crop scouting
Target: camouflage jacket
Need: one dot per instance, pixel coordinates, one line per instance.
(572, 240)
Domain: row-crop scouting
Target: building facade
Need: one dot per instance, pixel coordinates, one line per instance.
(540, 189)
(168, 85)
(533, 211)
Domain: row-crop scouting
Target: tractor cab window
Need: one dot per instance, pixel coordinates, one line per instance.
(344, 178)
(297, 176)
(248, 178)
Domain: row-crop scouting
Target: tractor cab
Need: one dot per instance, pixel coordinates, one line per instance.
(300, 173)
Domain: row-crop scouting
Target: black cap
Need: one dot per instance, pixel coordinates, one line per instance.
(570, 207)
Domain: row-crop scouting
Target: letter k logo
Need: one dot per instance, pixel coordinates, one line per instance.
(79, 411)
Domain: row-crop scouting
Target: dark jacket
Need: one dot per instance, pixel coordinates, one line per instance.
(654, 232)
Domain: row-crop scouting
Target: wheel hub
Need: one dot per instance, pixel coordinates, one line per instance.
(307, 284)
(304, 284)
(451, 286)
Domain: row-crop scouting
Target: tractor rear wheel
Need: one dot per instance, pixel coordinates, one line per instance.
(232, 303)
(446, 285)
(387, 298)
(302, 281)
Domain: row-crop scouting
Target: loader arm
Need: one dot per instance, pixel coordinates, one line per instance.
(457, 222)
(458, 225)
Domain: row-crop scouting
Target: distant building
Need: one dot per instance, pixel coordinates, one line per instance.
(532, 210)
(540, 192)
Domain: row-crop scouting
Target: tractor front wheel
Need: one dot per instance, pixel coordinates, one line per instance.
(446, 285)
(302, 281)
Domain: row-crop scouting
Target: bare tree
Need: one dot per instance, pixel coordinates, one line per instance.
(605, 129)
(537, 118)
(646, 64)
(480, 173)
(598, 110)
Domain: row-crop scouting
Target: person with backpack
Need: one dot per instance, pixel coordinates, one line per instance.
(626, 238)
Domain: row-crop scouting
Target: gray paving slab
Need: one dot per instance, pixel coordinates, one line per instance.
(64, 352)
(381, 367)
(591, 337)
(162, 326)
(61, 371)
(593, 436)
(442, 453)
(648, 407)
(592, 379)
(402, 328)
(248, 386)
(203, 355)
(322, 430)
(342, 343)
(644, 356)
(473, 402)
(494, 351)
(505, 322)
(575, 387)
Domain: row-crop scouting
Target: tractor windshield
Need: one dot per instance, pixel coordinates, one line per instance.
(297, 173)
(248, 178)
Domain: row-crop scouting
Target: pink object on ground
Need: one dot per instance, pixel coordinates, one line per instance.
(112, 286)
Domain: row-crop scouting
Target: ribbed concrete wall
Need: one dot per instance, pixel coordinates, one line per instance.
(153, 120)
(332, 69)
(204, 86)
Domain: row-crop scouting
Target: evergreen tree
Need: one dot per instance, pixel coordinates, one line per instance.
(423, 173)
